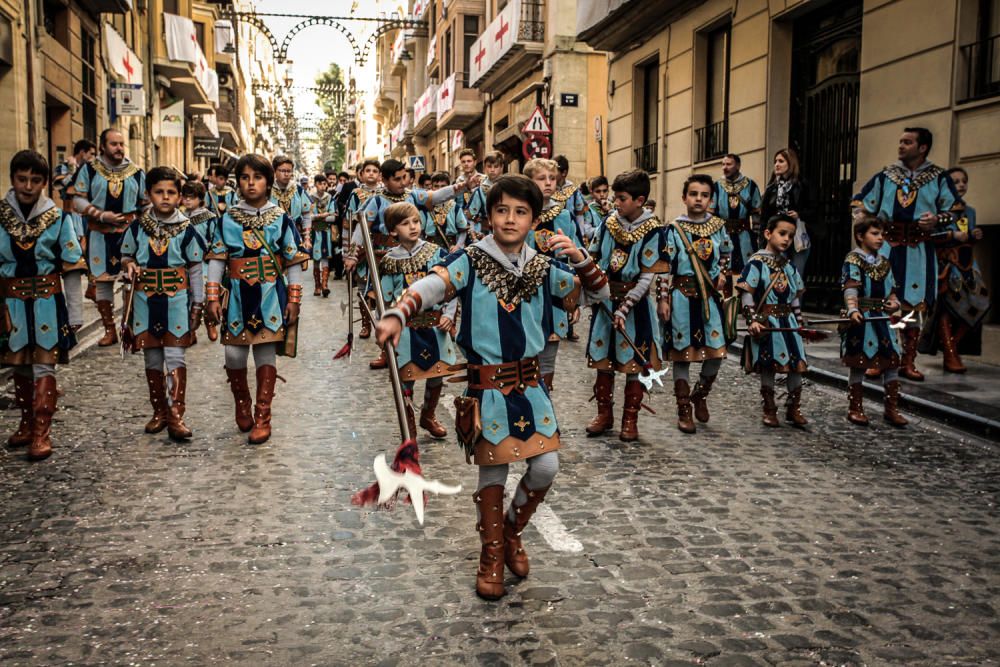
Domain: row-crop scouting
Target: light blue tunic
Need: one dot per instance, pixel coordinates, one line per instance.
(779, 351)
(120, 189)
(738, 202)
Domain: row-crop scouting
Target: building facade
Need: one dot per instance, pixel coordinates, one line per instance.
(836, 81)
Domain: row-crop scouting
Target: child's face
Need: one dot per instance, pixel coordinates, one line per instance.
(438, 184)
(871, 241)
(511, 220)
(780, 238)
(165, 196)
(628, 206)
(468, 163)
(697, 199)
(600, 192)
(961, 183)
(408, 231)
(493, 171)
(283, 174)
(190, 202)
(28, 186)
(407, 180)
(217, 180)
(320, 187)
(253, 185)
(546, 181)
(396, 183)
(369, 175)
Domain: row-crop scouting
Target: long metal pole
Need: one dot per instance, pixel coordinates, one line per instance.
(390, 349)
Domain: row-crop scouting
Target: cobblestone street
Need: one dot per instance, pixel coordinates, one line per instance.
(738, 546)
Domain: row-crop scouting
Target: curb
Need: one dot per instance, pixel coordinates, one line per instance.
(967, 421)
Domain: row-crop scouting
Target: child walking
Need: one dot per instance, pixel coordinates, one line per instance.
(506, 290)
(162, 254)
(770, 289)
(204, 220)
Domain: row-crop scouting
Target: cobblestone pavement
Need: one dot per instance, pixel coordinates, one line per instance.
(738, 546)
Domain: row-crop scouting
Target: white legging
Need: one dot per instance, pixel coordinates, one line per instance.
(264, 354)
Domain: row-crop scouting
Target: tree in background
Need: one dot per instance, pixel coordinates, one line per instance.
(333, 152)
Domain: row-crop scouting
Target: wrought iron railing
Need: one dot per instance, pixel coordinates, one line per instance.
(981, 61)
(711, 141)
(645, 158)
(532, 27)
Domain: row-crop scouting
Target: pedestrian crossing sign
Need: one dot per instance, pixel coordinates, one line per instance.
(417, 163)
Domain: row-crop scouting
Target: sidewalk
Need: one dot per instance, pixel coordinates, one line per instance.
(969, 401)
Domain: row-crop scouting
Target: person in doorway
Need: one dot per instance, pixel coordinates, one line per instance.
(789, 194)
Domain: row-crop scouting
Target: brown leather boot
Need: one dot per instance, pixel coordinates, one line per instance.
(489, 575)
(634, 393)
(237, 379)
(873, 373)
(107, 312)
(428, 420)
(682, 391)
(24, 391)
(891, 413)
(949, 346)
(261, 432)
(324, 280)
(770, 408)
(793, 413)
(91, 291)
(514, 555)
(158, 399)
(379, 362)
(316, 277)
(856, 405)
(699, 396)
(176, 428)
(549, 379)
(366, 325)
(604, 388)
(212, 331)
(44, 407)
(908, 368)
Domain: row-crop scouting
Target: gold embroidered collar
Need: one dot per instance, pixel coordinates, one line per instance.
(158, 230)
(395, 199)
(618, 233)
(897, 175)
(363, 194)
(551, 214)
(416, 262)
(442, 211)
(21, 231)
(115, 177)
(502, 284)
(199, 218)
(735, 187)
(223, 192)
(256, 220)
(564, 194)
(702, 229)
(877, 271)
(776, 262)
(283, 198)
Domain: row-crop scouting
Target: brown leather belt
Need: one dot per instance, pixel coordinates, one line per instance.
(505, 378)
(384, 240)
(425, 320)
(619, 290)
(871, 305)
(112, 228)
(737, 225)
(253, 270)
(905, 233)
(776, 309)
(31, 287)
(164, 281)
(686, 285)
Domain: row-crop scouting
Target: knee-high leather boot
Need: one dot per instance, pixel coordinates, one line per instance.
(856, 405)
(261, 432)
(317, 290)
(324, 280)
(489, 575)
(949, 345)
(604, 388)
(685, 422)
(793, 412)
(891, 413)
(107, 311)
(908, 368)
(514, 555)
(630, 412)
(44, 407)
(428, 418)
(24, 391)
(699, 397)
(237, 378)
(770, 417)
(158, 399)
(176, 427)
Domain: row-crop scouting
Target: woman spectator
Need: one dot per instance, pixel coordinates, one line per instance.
(787, 193)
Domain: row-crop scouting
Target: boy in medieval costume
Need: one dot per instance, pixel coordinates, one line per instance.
(770, 292)
(621, 243)
(204, 220)
(324, 236)
(162, 254)
(506, 290)
(446, 225)
(41, 266)
(369, 184)
(258, 243)
(697, 248)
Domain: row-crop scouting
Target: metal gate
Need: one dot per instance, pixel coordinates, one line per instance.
(824, 132)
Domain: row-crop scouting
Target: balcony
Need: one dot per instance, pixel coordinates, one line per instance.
(386, 92)
(646, 158)
(425, 112)
(711, 141)
(229, 121)
(510, 48)
(399, 55)
(981, 69)
(96, 7)
(616, 25)
(458, 106)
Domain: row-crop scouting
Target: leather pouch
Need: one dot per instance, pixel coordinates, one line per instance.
(468, 423)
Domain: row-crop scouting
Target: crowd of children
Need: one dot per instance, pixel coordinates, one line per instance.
(498, 267)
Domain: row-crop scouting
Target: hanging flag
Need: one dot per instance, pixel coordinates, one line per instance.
(182, 40)
(122, 59)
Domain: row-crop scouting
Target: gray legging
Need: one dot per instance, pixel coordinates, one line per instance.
(858, 374)
(709, 369)
(547, 358)
(542, 470)
(793, 382)
(35, 371)
(264, 354)
(158, 357)
(105, 290)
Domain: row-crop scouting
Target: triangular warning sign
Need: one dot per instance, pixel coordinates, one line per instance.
(536, 123)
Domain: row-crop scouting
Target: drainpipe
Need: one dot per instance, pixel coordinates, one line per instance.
(29, 59)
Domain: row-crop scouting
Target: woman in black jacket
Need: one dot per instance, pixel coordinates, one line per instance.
(787, 193)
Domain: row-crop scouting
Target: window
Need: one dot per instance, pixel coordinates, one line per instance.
(471, 25)
(647, 76)
(56, 20)
(170, 6)
(431, 23)
(199, 30)
(448, 64)
(712, 139)
(981, 58)
(88, 60)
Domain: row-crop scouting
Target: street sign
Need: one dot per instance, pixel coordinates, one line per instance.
(417, 163)
(598, 128)
(569, 99)
(128, 99)
(536, 123)
(537, 145)
(207, 147)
